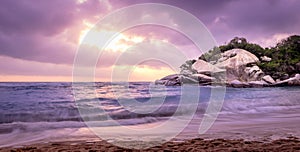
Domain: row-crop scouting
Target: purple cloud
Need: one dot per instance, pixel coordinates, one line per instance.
(44, 30)
(48, 31)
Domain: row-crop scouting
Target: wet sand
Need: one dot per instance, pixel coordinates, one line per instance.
(249, 132)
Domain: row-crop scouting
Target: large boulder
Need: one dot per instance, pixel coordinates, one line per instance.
(169, 80)
(203, 67)
(203, 78)
(187, 79)
(179, 79)
(240, 65)
(268, 79)
(235, 58)
(172, 82)
(238, 84)
(252, 73)
(295, 81)
(186, 68)
(258, 84)
(170, 77)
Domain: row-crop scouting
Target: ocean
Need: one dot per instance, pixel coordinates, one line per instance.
(44, 112)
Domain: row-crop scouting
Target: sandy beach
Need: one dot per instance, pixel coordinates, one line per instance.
(199, 144)
(257, 133)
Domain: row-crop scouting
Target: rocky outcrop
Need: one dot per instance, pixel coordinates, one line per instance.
(203, 67)
(235, 58)
(268, 79)
(237, 84)
(294, 81)
(253, 84)
(170, 80)
(203, 78)
(240, 65)
(235, 68)
(179, 79)
(257, 84)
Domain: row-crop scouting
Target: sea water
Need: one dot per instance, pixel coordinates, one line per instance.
(43, 112)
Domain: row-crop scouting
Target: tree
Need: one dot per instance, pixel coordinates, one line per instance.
(285, 57)
(237, 42)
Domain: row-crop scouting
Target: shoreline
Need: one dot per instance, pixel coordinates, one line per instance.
(196, 144)
(270, 132)
(248, 119)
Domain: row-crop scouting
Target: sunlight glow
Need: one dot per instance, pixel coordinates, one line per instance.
(81, 1)
(83, 32)
(122, 42)
(30, 78)
(148, 73)
(119, 43)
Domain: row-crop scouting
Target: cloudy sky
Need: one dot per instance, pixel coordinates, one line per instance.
(39, 39)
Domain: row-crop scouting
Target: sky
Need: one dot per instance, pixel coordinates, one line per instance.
(39, 39)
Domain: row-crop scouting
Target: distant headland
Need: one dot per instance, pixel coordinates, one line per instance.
(243, 64)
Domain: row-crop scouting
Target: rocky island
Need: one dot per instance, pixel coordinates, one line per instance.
(243, 64)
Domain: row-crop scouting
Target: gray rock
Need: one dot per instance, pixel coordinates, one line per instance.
(284, 76)
(268, 79)
(265, 59)
(160, 82)
(188, 79)
(233, 59)
(202, 77)
(169, 80)
(253, 73)
(241, 71)
(236, 62)
(257, 84)
(203, 67)
(294, 81)
(172, 83)
(238, 84)
(187, 72)
(171, 77)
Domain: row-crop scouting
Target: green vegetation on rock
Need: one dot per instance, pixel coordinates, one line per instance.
(285, 56)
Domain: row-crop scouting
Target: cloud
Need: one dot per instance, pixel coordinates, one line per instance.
(13, 66)
(38, 48)
(267, 16)
(45, 31)
(41, 37)
(271, 41)
(152, 50)
(256, 19)
(137, 54)
(31, 17)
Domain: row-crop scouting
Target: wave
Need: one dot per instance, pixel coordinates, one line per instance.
(53, 102)
(89, 114)
(18, 127)
(261, 100)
